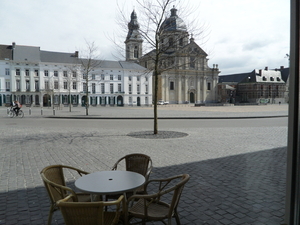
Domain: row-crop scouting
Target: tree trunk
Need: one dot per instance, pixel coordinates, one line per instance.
(87, 95)
(155, 102)
(70, 102)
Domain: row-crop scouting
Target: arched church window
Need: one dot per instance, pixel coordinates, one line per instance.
(171, 85)
(136, 52)
(192, 62)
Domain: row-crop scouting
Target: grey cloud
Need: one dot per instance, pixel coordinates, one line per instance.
(254, 45)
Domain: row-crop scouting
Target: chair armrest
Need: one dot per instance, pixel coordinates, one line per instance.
(79, 171)
(163, 183)
(59, 188)
(66, 199)
(115, 166)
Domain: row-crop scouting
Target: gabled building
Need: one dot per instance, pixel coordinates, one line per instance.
(42, 78)
(258, 86)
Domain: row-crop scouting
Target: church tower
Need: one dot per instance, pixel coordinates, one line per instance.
(133, 42)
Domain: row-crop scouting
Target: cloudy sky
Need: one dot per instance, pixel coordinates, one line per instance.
(242, 35)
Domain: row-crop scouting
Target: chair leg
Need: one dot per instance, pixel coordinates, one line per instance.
(51, 211)
(176, 217)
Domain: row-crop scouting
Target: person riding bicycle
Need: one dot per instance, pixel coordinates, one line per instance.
(16, 106)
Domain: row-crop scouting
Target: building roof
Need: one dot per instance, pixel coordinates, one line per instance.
(5, 52)
(285, 72)
(234, 78)
(34, 54)
(26, 53)
(57, 57)
(173, 23)
(131, 65)
(257, 76)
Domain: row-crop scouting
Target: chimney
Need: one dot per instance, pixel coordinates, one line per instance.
(76, 54)
(266, 68)
(260, 72)
(281, 67)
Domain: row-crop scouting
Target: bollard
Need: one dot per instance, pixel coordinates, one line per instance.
(53, 112)
(7, 111)
(42, 111)
(29, 111)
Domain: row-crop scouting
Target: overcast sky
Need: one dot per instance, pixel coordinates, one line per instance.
(242, 34)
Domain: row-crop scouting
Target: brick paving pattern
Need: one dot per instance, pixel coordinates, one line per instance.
(237, 173)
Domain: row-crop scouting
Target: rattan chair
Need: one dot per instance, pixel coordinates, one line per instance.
(159, 206)
(139, 163)
(90, 213)
(54, 181)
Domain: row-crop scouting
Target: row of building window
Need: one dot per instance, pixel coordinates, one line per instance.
(74, 86)
(65, 74)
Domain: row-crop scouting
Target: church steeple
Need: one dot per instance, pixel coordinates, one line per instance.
(133, 40)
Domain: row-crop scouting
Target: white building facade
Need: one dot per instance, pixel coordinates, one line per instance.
(42, 78)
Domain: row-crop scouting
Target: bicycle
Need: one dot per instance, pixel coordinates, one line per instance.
(12, 113)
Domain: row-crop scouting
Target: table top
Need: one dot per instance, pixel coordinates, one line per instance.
(110, 182)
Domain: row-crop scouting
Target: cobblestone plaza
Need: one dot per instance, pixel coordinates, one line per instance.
(236, 157)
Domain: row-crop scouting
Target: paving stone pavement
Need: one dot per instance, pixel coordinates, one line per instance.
(237, 173)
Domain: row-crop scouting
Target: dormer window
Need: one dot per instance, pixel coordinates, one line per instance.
(271, 78)
(264, 78)
(278, 78)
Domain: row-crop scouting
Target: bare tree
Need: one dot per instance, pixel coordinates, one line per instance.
(162, 41)
(89, 62)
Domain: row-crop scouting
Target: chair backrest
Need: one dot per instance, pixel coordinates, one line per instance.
(177, 192)
(168, 187)
(54, 181)
(139, 163)
(89, 213)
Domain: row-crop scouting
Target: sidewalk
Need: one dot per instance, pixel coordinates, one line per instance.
(168, 111)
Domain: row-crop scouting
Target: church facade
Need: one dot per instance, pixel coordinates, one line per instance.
(185, 76)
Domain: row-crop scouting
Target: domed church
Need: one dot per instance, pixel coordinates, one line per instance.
(185, 76)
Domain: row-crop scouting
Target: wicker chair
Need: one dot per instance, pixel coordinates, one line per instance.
(54, 181)
(159, 206)
(139, 163)
(89, 213)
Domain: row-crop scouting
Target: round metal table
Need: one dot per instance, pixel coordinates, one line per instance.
(110, 182)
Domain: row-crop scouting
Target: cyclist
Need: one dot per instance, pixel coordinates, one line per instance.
(16, 106)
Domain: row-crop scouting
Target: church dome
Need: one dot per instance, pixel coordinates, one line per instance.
(173, 23)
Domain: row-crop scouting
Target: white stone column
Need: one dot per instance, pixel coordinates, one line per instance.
(31, 80)
(13, 80)
(198, 89)
(214, 89)
(167, 83)
(186, 88)
(22, 81)
(179, 89)
(163, 89)
(204, 85)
